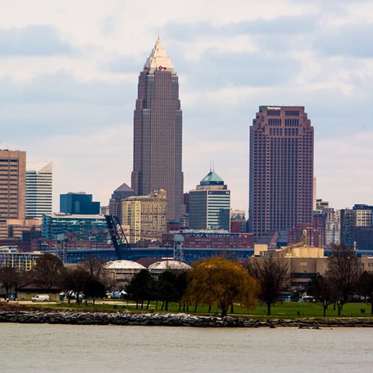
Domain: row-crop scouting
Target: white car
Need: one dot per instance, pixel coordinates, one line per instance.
(40, 298)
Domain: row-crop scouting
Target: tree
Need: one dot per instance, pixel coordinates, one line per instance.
(323, 290)
(167, 288)
(365, 287)
(181, 286)
(344, 272)
(48, 271)
(222, 282)
(94, 266)
(272, 277)
(141, 287)
(94, 288)
(75, 280)
(9, 279)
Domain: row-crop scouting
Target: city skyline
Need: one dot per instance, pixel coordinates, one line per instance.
(71, 91)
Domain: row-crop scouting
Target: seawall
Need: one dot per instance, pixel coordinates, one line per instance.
(147, 319)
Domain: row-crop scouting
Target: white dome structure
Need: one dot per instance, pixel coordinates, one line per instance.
(124, 265)
(121, 272)
(168, 265)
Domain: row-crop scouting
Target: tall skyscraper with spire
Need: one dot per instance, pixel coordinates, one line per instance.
(157, 160)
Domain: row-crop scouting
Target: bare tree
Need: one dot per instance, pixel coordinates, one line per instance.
(272, 277)
(94, 266)
(48, 271)
(75, 280)
(9, 279)
(365, 287)
(323, 290)
(343, 272)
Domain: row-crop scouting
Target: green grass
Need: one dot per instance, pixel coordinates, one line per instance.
(279, 310)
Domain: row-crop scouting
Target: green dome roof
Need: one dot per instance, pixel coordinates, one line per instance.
(212, 178)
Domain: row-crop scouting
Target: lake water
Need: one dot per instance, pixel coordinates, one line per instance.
(85, 349)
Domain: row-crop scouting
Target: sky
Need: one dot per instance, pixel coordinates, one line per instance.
(69, 70)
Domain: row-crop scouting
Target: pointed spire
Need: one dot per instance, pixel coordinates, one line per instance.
(158, 59)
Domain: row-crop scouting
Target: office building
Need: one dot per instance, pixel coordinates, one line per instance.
(12, 184)
(119, 194)
(78, 204)
(363, 215)
(145, 217)
(157, 161)
(281, 170)
(39, 192)
(11, 257)
(16, 229)
(209, 204)
(75, 227)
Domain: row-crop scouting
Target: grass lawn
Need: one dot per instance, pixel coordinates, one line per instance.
(279, 310)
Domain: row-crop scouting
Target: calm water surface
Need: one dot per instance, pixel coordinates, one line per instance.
(83, 349)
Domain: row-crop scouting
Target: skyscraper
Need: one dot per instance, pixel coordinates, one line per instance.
(209, 204)
(39, 190)
(281, 170)
(157, 161)
(12, 184)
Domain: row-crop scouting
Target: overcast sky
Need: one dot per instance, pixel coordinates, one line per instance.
(69, 69)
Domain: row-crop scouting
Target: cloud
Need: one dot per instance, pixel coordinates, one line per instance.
(33, 40)
(344, 169)
(217, 69)
(61, 104)
(281, 25)
(73, 100)
(350, 40)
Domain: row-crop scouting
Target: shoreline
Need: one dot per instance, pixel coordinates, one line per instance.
(177, 319)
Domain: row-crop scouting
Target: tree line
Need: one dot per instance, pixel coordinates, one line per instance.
(50, 274)
(215, 283)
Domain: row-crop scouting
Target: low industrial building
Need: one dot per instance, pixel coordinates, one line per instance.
(168, 265)
(303, 262)
(121, 272)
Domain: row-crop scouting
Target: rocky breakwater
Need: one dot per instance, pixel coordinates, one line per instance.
(167, 319)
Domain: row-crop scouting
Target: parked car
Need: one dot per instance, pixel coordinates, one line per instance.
(308, 298)
(40, 298)
(116, 294)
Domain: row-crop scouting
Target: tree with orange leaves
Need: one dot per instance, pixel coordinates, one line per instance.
(221, 282)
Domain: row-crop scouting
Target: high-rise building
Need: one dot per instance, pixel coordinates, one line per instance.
(363, 215)
(281, 170)
(78, 203)
(157, 161)
(209, 204)
(347, 217)
(39, 192)
(144, 217)
(12, 184)
(119, 194)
